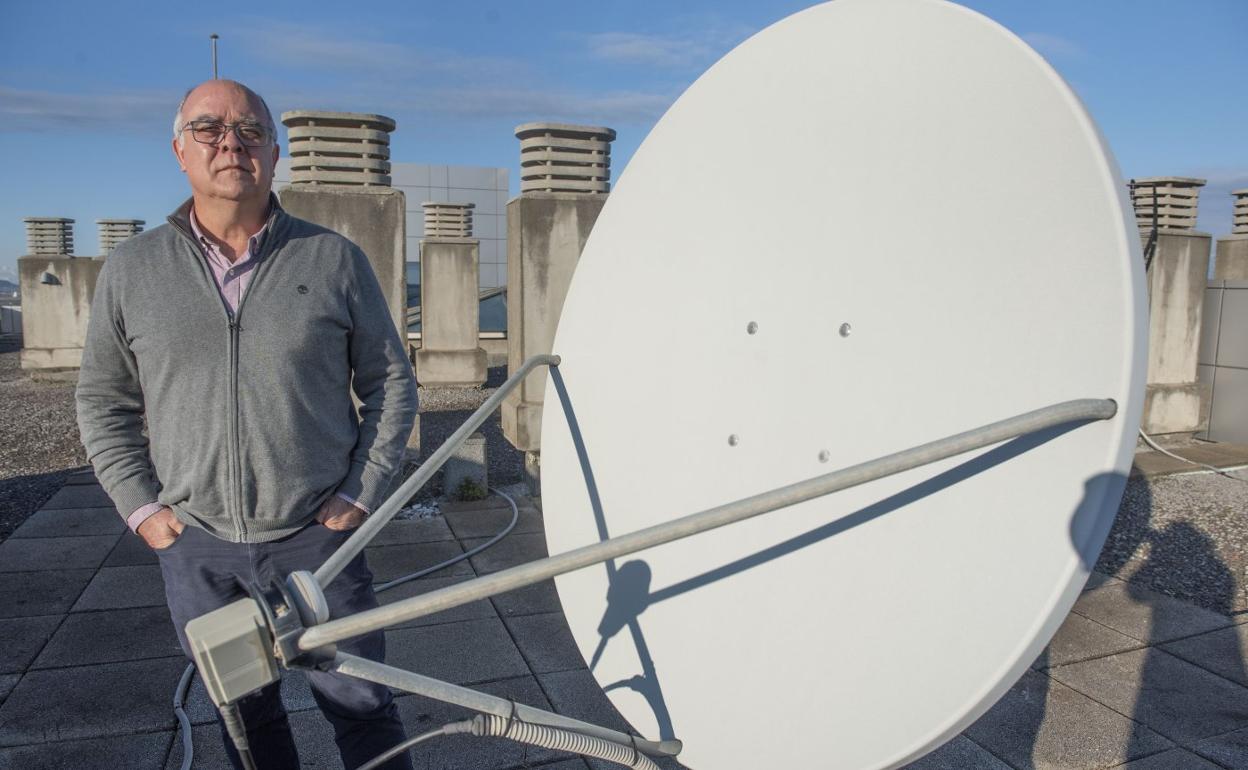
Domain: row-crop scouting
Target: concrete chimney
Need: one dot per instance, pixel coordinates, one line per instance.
(1231, 251)
(1175, 400)
(114, 231)
(447, 220)
(49, 236)
(56, 299)
(565, 179)
(1172, 199)
(558, 157)
(450, 353)
(338, 148)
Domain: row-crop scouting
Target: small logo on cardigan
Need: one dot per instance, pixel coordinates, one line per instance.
(301, 289)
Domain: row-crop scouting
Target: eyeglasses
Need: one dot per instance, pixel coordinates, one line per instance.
(213, 131)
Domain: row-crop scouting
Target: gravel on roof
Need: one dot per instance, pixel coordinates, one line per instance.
(39, 442)
(443, 410)
(1185, 536)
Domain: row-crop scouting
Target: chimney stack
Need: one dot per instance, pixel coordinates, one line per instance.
(338, 148)
(49, 236)
(114, 231)
(448, 220)
(558, 157)
(1172, 198)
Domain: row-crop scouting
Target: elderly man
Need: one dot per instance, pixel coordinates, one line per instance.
(235, 334)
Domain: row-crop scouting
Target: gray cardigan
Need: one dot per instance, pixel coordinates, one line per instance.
(250, 424)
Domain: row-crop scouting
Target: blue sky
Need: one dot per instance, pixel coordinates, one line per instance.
(87, 89)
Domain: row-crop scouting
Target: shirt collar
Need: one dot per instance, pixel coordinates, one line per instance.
(252, 242)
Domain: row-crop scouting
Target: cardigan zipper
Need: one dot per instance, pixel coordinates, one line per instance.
(261, 257)
(235, 444)
(233, 440)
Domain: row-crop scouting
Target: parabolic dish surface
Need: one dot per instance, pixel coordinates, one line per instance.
(874, 224)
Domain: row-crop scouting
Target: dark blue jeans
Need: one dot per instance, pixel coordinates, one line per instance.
(203, 573)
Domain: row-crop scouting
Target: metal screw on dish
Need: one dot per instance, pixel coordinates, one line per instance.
(733, 440)
(845, 330)
(751, 328)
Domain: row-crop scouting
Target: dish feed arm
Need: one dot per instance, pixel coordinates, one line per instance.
(1079, 410)
(364, 534)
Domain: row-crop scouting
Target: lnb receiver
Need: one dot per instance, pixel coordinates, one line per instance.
(237, 648)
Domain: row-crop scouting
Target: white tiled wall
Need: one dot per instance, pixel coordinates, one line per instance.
(485, 225)
(484, 187)
(1224, 360)
(409, 175)
(415, 221)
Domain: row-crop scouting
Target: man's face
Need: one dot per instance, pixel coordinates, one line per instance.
(229, 170)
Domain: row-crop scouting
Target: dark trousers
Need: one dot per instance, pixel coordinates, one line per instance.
(203, 573)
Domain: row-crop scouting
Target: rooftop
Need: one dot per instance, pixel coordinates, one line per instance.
(1147, 672)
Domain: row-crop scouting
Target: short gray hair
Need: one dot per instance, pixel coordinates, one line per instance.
(178, 125)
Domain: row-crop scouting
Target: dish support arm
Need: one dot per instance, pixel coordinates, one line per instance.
(1079, 410)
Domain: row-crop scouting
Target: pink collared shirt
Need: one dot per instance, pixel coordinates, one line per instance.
(232, 279)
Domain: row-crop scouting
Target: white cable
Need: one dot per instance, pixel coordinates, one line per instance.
(559, 739)
(179, 698)
(447, 729)
(545, 736)
(232, 718)
(1149, 440)
(515, 517)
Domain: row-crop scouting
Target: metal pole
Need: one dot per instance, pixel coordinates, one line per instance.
(544, 569)
(371, 671)
(213, 38)
(373, 524)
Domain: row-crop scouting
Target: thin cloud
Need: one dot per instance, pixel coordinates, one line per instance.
(708, 39)
(1223, 178)
(142, 112)
(37, 110)
(1054, 46)
(368, 74)
(371, 75)
(302, 48)
(363, 75)
(479, 104)
(312, 49)
(648, 50)
(519, 105)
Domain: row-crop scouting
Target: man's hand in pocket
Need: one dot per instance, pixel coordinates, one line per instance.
(340, 515)
(160, 529)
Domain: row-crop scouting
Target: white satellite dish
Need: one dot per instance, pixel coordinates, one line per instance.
(871, 225)
(874, 275)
